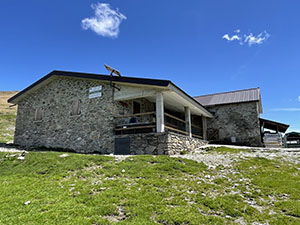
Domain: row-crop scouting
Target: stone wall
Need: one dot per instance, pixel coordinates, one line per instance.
(167, 143)
(178, 143)
(240, 120)
(91, 131)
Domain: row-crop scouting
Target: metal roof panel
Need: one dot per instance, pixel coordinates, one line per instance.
(247, 95)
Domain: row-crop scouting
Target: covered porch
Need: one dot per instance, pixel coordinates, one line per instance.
(272, 132)
(155, 111)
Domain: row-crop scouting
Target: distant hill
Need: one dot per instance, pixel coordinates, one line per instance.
(7, 117)
(4, 106)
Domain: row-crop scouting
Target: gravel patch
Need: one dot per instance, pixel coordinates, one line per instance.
(213, 159)
(2, 149)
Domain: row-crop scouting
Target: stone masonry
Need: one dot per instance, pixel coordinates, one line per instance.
(91, 131)
(240, 120)
(167, 143)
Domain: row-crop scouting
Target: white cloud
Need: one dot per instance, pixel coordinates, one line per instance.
(249, 39)
(286, 109)
(259, 39)
(232, 38)
(105, 22)
(299, 98)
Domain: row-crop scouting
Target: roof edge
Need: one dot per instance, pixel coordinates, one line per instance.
(227, 92)
(135, 80)
(230, 103)
(208, 114)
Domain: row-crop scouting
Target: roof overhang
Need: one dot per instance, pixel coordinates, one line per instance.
(272, 125)
(183, 98)
(105, 78)
(172, 93)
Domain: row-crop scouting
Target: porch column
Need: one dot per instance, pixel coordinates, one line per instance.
(188, 123)
(160, 122)
(204, 128)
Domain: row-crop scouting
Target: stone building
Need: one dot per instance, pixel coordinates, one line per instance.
(236, 118)
(92, 113)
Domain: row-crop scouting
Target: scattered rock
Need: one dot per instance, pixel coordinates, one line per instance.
(27, 203)
(123, 171)
(63, 155)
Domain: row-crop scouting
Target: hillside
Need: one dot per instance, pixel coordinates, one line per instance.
(7, 117)
(225, 186)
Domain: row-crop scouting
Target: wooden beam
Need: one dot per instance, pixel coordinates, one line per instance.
(129, 93)
(132, 128)
(133, 115)
(197, 136)
(177, 130)
(174, 117)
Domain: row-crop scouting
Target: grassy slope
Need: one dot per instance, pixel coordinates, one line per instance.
(7, 117)
(92, 189)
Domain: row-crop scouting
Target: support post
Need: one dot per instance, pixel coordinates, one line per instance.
(188, 122)
(204, 128)
(160, 121)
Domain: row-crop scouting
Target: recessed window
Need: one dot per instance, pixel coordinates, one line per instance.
(38, 116)
(136, 107)
(76, 108)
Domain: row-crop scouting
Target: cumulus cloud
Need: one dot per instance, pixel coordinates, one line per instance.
(105, 22)
(249, 39)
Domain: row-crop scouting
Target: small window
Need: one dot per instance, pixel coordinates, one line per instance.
(136, 107)
(38, 116)
(75, 108)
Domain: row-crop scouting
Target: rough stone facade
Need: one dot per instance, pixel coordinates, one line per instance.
(91, 131)
(240, 121)
(167, 143)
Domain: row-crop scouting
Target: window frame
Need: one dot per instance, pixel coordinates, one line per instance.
(39, 114)
(78, 111)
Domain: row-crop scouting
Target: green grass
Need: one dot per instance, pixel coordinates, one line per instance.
(92, 189)
(7, 117)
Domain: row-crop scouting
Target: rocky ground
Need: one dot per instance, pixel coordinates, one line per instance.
(237, 185)
(214, 159)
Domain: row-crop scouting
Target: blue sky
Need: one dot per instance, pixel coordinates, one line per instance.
(176, 40)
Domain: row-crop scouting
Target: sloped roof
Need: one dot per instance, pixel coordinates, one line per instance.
(247, 95)
(134, 80)
(131, 80)
(273, 125)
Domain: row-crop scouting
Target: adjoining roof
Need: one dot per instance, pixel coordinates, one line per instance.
(293, 134)
(247, 95)
(132, 80)
(272, 125)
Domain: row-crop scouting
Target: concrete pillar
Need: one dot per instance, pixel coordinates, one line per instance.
(160, 119)
(188, 121)
(204, 128)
